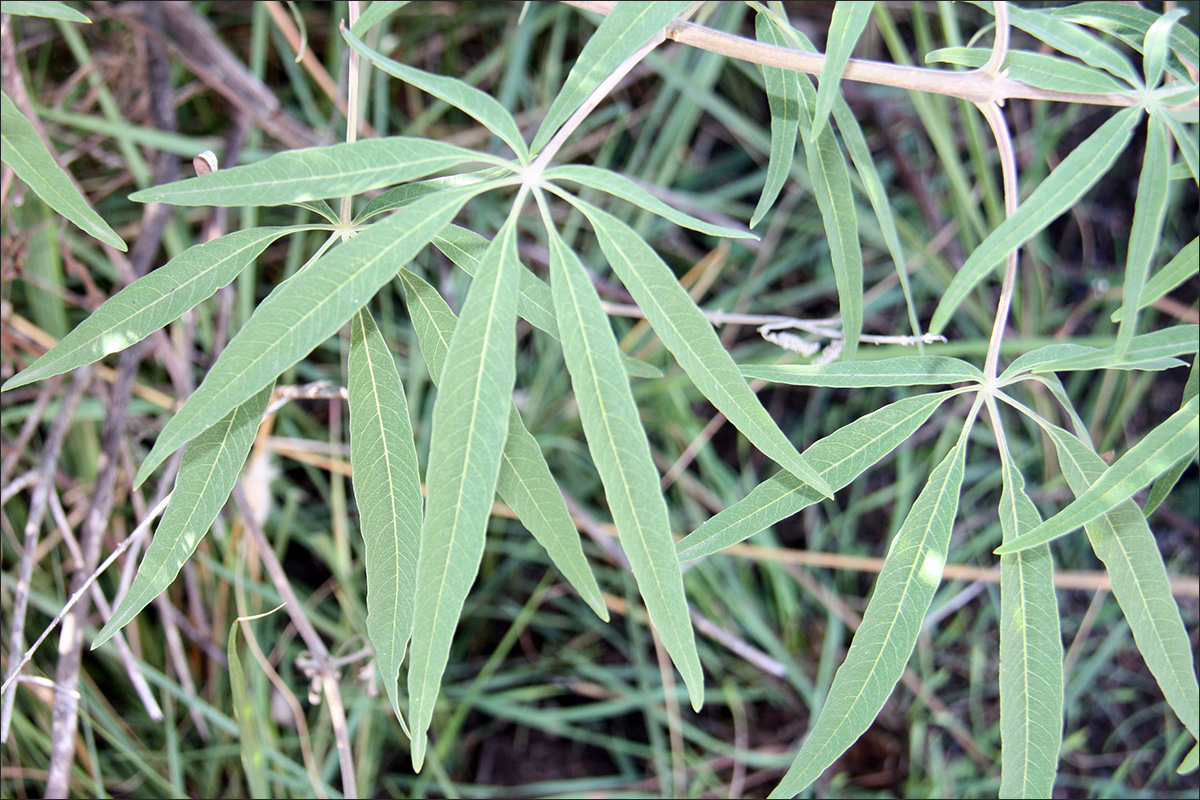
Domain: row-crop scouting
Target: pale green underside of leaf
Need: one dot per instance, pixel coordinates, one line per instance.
(1184, 265)
(621, 452)
(48, 8)
(1166, 482)
(387, 488)
(627, 28)
(470, 425)
(783, 99)
(1034, 69)
(209, 469)
(620, 186)
(304, 311)
(841, 457)
(536, 307)
(481, 106)
(846, 25)
(1155, 45)
(153, 301)
(900, 371)
(314, 173)
(890, 625)
(406, 193)
(689, 336)
(1074, 41)
(23, 150)
(1123, 541)
(1190, 762)
(1130, 24)
(375, 13)
(525, 481)
(1031, 652)
(1077, 173)
(1145, 461)
(1154, 350)
(1186, 140)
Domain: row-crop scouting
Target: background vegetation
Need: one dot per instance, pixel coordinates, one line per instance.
(541, 697)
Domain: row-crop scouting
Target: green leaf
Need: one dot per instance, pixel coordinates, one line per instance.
(899, 371)
(687, 333)
(304, 311)
(621, 453)
(783, 99)
(525, 482)
(1190, 761)
(1130, 24)
(1031, 652)
(249, 718)
(47, 8)
(840, 457)
(1183, 266)
(1036, 69)
(619, 186)
(153, 301)
(23, 150)
(1074, 41)
(1145, 461)
(404, 194)
(623, 32)
(470, 425)
(1077, 173)
(1186, 141)
(1149, 213)
(387, 487)
(477, 104)
(376, 13)
(1156, 45)
(1154, 350)
(888, 633)
(207, 473)
(314, 173)
(1123, 541)
(1166, 482)
(846, 26)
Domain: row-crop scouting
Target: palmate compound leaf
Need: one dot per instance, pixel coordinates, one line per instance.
(1121, 538)
(888, 633)
(525, 481)
(621, 452)
(23, 150)
(626, 29)
(387, 488)
(1031, 652)
(840, 458)
(480, 105)
(153, 301)
(1154, 454)
(689, 336)
(470, 425)
(207, 473)
(304, 311)
(1077, 173)
(313, 173)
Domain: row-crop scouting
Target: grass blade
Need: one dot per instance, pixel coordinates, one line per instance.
(249, 719)
(620, 186)
(900, 371)
(525, 481)
(690, 337)
(387, 487)
(621, 453)
(1031, 652)
(470, 425)
(477, 104)
(23, 150)
(304, 311)
(783, 100)
(314, 173)
(847, 24)
(888, 633)
(153, 301)
(209, 469)
(626, 28)
(1123, 541)
(1077, 173)
(1144, 462)
(841, 457)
